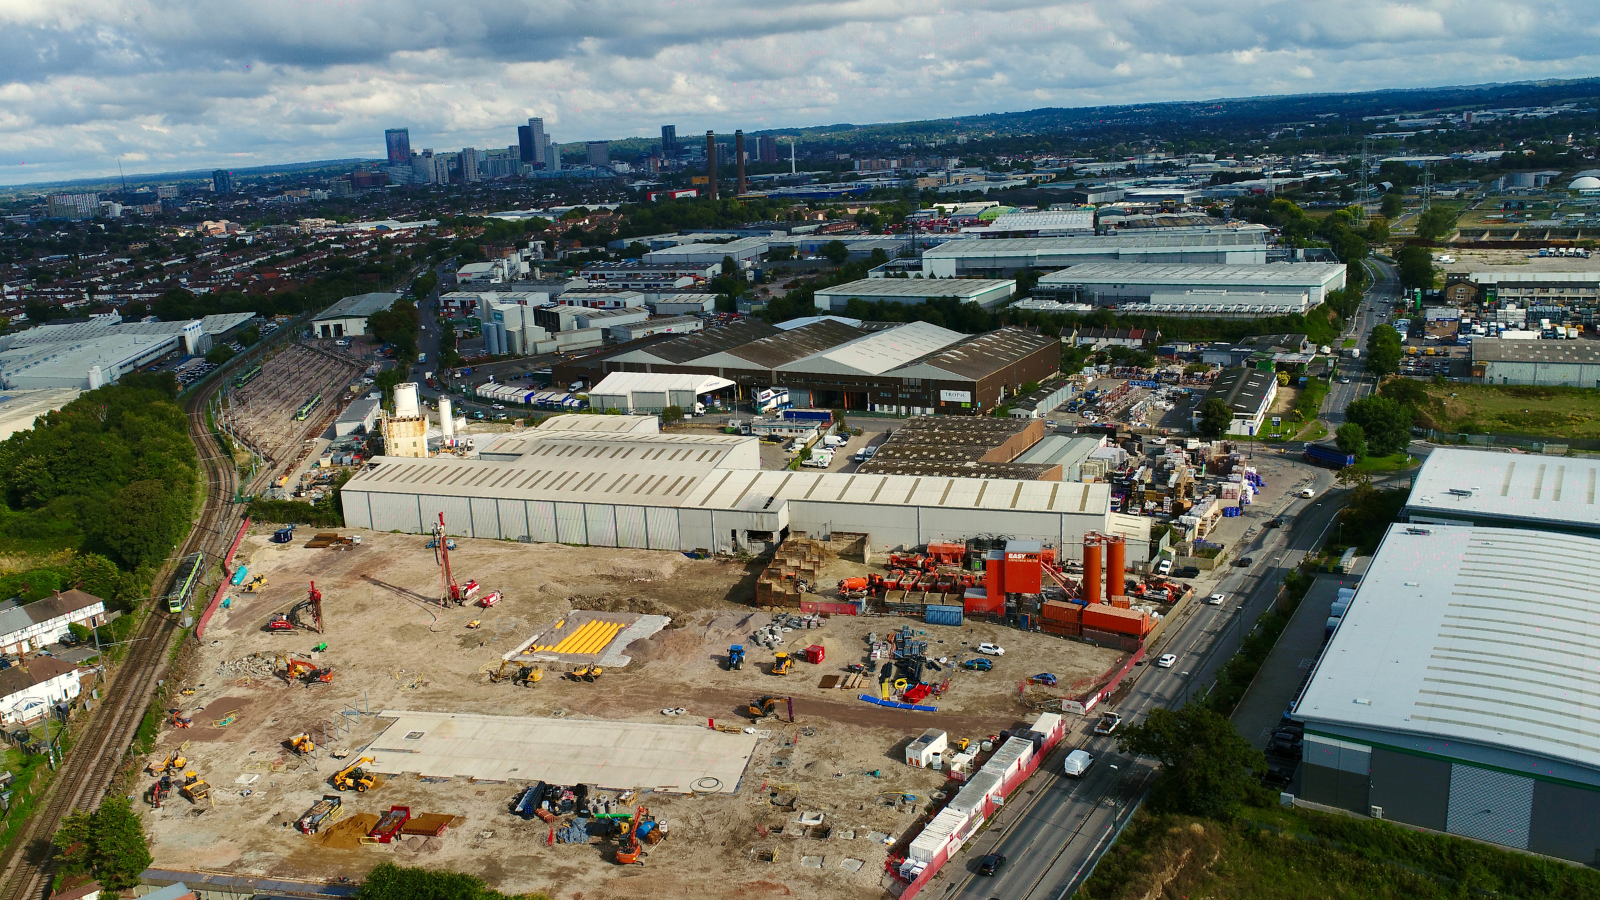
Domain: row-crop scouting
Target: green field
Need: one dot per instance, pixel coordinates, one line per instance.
(1559, 412)
(1386, 463)
(1290, 854)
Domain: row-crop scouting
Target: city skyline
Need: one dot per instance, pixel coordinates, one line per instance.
(174, 87)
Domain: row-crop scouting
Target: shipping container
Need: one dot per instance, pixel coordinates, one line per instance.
(1062, 629)
(1120, 621)
(942, 615)
(1061, 613)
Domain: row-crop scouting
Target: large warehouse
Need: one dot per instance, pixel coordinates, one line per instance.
(1568, 363)
(986, 292)
(908, 369)
(1505, 490)
(1116, 284)
(348, 317)
(620, 484)
(1004, 257)
(1458, 691)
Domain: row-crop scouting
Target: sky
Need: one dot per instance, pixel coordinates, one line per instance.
(161, 85)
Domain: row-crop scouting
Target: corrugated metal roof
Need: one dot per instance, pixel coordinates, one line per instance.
(868, 288)
(878, 352)
(773, 351)
(982, 355)
(1479, 635)
(750, 490)
(1512, 486)
(1301, 274)
(1580, 352)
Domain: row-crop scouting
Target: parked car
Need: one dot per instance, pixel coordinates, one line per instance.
(991, 649)
(1164, 568)
(1187, 572)
(1243, 562)
(1044, 678)
(1108, 723)
(1308, 493)
(1217, 599)
(1166, 661)
(978, 665)
(991, 864)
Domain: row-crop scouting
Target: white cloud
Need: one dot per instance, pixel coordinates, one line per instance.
(187, 85)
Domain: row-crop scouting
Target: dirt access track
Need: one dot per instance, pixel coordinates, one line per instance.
(391, 646)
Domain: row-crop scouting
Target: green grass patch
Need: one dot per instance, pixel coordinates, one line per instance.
(1350, 342)
(1288, 854)
(1561, 412)
(1395, 463)
(1316, 432)
(1308, 405)
(32, 777)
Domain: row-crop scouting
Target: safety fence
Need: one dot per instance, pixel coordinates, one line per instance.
(222, 587)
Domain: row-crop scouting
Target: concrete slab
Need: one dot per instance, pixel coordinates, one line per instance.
(613, 755)
(850, 865)
(587, 637)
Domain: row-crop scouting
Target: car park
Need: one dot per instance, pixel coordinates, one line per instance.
(1166, 661)
(991, 649)
(1108, 723)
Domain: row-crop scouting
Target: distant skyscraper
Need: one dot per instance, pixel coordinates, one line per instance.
(525, 145)
(738, 161)
(669, 141)
(711, 162)
(398, 140)
(539, 141)
(767, 148)
(469, 165)
(599, 153)
(222, 182)
(552, 154)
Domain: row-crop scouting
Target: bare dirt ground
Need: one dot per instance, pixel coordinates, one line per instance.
(391, 647)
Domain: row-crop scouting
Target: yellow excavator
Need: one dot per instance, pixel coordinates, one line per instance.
(353, 777)
(766, 706)
(194, 787)
(256, 585)
(302, 744)
(173, 763)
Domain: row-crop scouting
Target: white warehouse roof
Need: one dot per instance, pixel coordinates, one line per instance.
(918, 289)
(1482, 640)
(618, 383)
(1480, 487)
(1284, 275)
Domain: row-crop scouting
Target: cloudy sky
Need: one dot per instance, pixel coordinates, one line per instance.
(163, 85)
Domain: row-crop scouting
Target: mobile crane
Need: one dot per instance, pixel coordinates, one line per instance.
(450, 590)
(284, 623)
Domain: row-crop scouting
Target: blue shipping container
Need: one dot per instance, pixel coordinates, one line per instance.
(823, 416)
(943, 615)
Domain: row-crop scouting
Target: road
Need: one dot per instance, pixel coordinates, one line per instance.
(1058, 826)
(1381, 295)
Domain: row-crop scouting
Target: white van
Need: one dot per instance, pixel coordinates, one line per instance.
(1077, 763)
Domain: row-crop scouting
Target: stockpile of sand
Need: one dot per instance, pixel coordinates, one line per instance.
(346, 834)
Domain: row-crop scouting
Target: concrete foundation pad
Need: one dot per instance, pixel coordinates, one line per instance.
(613, 755)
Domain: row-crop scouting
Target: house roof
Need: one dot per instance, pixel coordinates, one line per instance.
(59, 604)
(37, 670)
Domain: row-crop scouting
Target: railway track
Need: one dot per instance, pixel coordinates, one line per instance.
(103, 741)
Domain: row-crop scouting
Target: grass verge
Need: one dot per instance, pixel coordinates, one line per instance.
(1279, 854)
(1559, 412)
(1395, 463)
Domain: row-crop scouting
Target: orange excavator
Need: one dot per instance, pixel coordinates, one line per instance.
(629, 848)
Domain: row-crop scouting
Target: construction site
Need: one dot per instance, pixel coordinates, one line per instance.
(568, 719)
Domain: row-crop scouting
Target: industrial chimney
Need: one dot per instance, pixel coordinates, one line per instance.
(711, 162)
(738, 159)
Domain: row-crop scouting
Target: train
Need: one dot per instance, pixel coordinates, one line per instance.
(245, 378)
(305, 409)
(190, 571)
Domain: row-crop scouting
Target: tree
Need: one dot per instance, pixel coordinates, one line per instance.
(1383, 350)
(1207, 769)
(1385, 424)
(141, 522)
(1391, 205)
(836, 252)
(672, 415)
(1416, 267)
(219, 354)
(1437, 222)
(388, 881)
(1215, 417)
(108, 843)
(1351, 439)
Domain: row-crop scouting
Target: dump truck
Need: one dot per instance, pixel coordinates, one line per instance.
(586, 673)
(353, 777)
(173, 763)
(194, 787)
(323, 812)
(735, 657)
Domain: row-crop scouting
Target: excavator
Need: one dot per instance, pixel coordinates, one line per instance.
(353, 777)
(194, 787)
(159, 791)
(256, 585)
(297, 616)
(302, 744)
(516, 673)
(766, 706)
(173, 763)
(628, 847)
(304, 670)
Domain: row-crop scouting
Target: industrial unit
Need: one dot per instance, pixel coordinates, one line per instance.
(1505, 490)
(1248, 394)
(86, 355)
(1455, 693)
(645, 392)
(913, 368)
(1005, 257)
(348, 317)
(1294, 287)
(986, 292)
(1568, 363)
(686, 492)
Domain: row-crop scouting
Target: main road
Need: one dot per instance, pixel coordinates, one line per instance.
(1352, 382)
(1056, 827)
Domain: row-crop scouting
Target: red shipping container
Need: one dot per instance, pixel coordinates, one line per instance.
(1061, 629)
(1121, 621)
(1121, 602)
(1061, 612)
(814, 653)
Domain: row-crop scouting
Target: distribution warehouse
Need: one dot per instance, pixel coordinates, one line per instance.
(1121, 284)
(1457, 691)
(616, 482)
(1005, 257)
(835, 363)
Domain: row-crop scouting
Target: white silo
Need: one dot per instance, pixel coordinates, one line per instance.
(447, 425)
(405, 400)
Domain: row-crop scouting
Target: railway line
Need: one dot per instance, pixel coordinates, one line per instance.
(102, 743)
